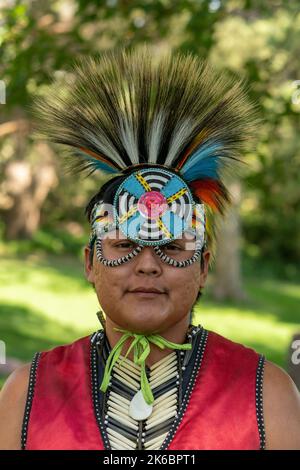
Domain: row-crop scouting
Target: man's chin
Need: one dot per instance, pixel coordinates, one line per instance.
(145, 324)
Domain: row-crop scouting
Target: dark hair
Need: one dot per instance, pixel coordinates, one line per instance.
(200, 293)
(106, 194)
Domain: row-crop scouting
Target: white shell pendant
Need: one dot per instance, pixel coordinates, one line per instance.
(138, 408)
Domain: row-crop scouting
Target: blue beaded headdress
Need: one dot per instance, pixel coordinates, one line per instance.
(151, 207)
(170, 125)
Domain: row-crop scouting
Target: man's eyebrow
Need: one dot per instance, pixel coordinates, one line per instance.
(112, 240)
(177, 240)
(181, 239)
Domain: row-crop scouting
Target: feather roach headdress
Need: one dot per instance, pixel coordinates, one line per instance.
(171, 124)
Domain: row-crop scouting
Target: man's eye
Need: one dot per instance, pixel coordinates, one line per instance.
(173, 247)
(124, 245)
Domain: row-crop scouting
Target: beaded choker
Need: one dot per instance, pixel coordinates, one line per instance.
(141, 404)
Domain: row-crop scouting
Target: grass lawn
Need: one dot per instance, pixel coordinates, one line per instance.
(45, 301)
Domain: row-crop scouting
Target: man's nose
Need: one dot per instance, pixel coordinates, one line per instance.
(147, 262)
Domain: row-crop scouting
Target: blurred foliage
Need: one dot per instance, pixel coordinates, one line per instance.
(259, 40)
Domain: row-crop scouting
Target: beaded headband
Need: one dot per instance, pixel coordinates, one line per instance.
(151, 207)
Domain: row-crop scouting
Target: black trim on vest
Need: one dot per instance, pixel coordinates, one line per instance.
(29, 399)
(197, 365)
(259, 401)
(95, 387)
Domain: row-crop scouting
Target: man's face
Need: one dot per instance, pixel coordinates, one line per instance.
(145, 295)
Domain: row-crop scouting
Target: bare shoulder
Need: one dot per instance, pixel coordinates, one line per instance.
(12, 405)
(281, 405)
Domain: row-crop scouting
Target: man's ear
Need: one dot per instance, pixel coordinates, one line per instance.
(204, 271)
(88, 265)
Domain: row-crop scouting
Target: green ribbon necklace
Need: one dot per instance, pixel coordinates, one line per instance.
(141, 350)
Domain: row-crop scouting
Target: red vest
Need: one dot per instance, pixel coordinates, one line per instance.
(222, 411)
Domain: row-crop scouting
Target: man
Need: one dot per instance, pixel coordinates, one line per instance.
(164, 129)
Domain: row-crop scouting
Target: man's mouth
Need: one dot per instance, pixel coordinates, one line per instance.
(146, 291)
